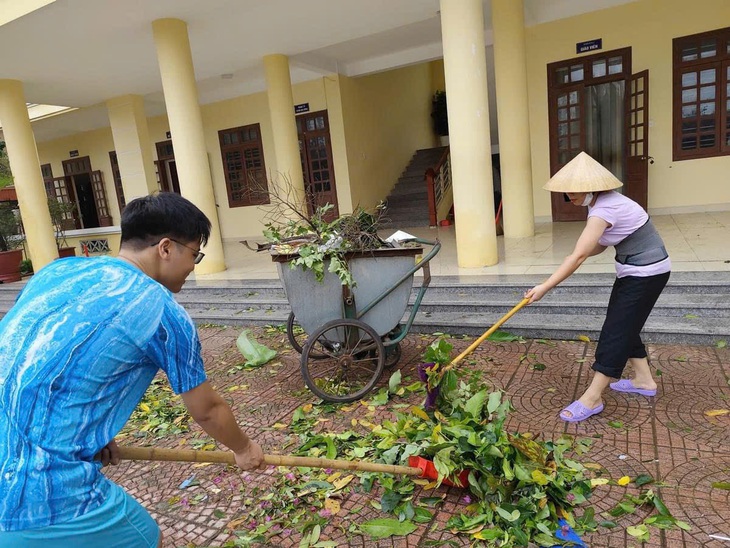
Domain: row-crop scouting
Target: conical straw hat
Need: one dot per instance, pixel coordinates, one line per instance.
(582, 174)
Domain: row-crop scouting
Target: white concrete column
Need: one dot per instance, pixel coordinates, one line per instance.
(133, 145)
(510, 62)
(465, 68)
(186, 125)
(26, 168)
(283, 125)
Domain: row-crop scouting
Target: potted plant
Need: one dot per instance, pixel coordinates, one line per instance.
(60, 217)
(10, 238)
(11, 241)
(440, 117)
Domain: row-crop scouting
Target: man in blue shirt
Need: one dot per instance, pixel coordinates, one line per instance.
(77, 352)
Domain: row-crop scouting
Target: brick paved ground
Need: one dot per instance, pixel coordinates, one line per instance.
(669, 437)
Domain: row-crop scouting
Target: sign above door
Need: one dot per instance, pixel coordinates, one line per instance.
(590, 45)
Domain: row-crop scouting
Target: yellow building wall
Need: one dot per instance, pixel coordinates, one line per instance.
(648, 27)
(387, 118)
(238, 222)
(376, 124)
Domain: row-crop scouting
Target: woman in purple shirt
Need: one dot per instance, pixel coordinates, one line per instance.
(642, 271)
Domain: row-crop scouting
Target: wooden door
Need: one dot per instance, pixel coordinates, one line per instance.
(315, 149)
(567, 107)
(86, 188)
(99, 193)
(166, 168)
(637, 125)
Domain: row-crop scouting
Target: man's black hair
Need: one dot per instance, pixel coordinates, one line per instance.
(163, 215)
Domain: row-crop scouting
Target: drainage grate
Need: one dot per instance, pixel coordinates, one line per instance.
(95, 246)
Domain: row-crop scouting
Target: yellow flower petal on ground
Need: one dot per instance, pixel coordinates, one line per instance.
(584, 338)
(144, 407)
(307, 408)
(624, 480)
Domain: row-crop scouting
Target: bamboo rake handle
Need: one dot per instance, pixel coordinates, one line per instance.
(225, 457)
(491, 330)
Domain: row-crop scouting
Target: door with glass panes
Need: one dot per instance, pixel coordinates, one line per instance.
(315, 148)
(596, 105)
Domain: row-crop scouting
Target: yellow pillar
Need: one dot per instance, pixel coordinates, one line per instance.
(510, 62)
(186, 125)
(465, 68)
(283, 124)
(24, 163)
(133, 145)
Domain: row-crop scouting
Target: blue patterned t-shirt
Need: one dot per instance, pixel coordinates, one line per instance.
(77, 352)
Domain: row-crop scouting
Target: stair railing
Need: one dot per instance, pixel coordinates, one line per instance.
(438, 182)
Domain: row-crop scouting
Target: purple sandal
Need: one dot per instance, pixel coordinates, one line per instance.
(625, 385)
(579, 412)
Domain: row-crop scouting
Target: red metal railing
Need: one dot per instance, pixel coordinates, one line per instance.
(438, 181)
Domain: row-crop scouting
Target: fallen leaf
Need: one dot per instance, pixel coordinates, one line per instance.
(592, 466)
(721, 344)
(624, 480)
(420, 413)
(334, 476)
(233, 525)
(595, 482)
(307, 408)
(584, 338)
(717, 412)
(280, 426)
(342, 482)
(332, 505)
(201, 464)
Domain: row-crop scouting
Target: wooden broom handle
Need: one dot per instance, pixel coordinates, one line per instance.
(226, 457)
(491, 330)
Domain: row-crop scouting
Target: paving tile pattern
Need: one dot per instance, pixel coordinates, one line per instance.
(669, 437)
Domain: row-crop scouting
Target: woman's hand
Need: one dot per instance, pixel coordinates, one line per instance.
(536, 293)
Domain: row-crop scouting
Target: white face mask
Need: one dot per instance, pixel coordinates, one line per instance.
(587, 200)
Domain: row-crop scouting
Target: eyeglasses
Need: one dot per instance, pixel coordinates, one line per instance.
(198, 254)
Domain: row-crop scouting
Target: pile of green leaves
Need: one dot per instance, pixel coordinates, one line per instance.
(320, 245)
(160, 413)
(519, 487)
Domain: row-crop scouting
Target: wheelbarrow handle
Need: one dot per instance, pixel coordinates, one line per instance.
(226, 457)
(486, 335)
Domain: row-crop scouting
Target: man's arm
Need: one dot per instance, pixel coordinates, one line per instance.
(214, 415)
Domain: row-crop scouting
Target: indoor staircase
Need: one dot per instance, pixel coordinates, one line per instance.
(408, 202)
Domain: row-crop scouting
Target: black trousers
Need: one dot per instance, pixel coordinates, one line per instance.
(632, 300)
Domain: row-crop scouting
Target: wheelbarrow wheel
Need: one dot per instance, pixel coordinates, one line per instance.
(298, 337)
(354, 360)
(392, 355)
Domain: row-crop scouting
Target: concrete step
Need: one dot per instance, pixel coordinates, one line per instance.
(694, 308)
(400, 199)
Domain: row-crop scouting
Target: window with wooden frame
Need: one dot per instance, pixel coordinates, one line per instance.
(47, 171)
(702, 95)
(243, 166)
